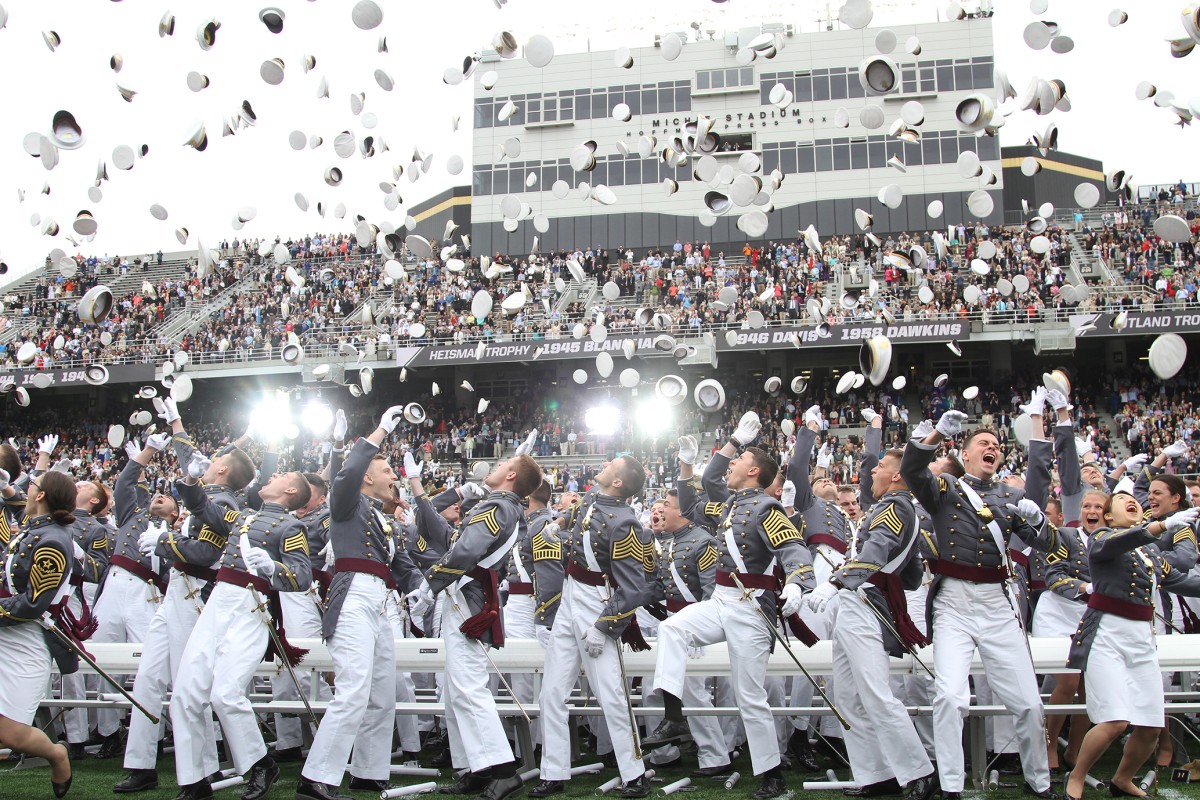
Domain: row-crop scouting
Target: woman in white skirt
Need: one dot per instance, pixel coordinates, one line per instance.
(36, 571)
(1115, 646)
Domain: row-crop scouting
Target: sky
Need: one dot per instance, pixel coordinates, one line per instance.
(256, 168)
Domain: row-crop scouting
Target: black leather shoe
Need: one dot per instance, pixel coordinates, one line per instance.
(261, 778)
(1048, 794)
(638, 787)
(442, 759)
(547, 788)
(368, 785)
(1117, 791)
(501, 788)
(955, 796)
(922, 788)
(61, 789)
(1007, 764)
(76, 751)
(609, 760)
(803, 757)
(667, 732)
(112, 746)
(195, 791)
(311, 790)
(771, 786)
(288, 755)
(877, 789)
(138, 780)
(468, 783)
(713, 772)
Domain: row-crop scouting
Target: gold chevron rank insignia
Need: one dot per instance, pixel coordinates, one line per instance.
(707, 558)
(714, 509)
(545, 551)
(1058, 555)
(231, 517)
(488, 518)
(297, 541)
(629, 547)
(207, 534)
(779, 528)
(46, 574)
(888, 518)
(422, 545)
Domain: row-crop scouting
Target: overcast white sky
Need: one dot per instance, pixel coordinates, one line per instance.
(256, 167)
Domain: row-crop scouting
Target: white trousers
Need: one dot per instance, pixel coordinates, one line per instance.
(364, 699)
(123, 614)
(882, 742)
(162, 654)
(579, 609)
(225, 648)
(802, 690)
(477, 738)
(406, 691)
(916, 689)
(726, 617)
(301, 620)
(74, 687)
(978, 615)
(518, 624)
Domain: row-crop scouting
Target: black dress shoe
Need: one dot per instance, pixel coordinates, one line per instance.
(638, 787)
(311, 790)
(195, 791)
(368, 785)
(1117, 791)
(771, 786)
(442, 759)
(261, 778)
(803, 757)
(288, 755)
(922, 788)
(713, 772)
(609, 760)
(547, 788)
(1007, 764)
(501, 788)
(138, 780)
(667, 732)
(112, 746)
(76, 751)
(1048, 794)
(958, 796)
(877, 789)
(468, 783)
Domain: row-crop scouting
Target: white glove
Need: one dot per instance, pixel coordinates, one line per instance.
(47, 443)
(526, 447)
(1036, 405)
(1135, 463)
(950, 425)
(813, 414)
(472, 491)
(788, 496)
(339, 426)
(411, 468)
(689, 448)
(157, 441)
(198, 465)
(391, 418)
(747, 429)
(793, 598)
(76, 550)
(170, 411)
(922, 430)
(1181, 519)
(1083, 447)
(148, 541)
(260, 561)
(542, 633)
(4, 479)
(550, 533)
(62, 465)
(695, 651)
(824, 457)
(594, 641)
(869, 414)
(1175, 449)
(420, 600)
(1027, 510)
(131, 448)
(1058, 400)
(327, 552)
(818, 598)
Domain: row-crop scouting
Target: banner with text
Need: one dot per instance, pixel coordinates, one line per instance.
(117, 373)
(1143, 323)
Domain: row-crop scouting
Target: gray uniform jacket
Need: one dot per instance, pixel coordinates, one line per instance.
(823, 521)
(41, 563)
(548, 574)
(689, 561)
(214, 511)
(1067, 568)
(131, 509)
(92, 536)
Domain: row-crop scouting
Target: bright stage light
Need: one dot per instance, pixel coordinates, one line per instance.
(317, 417)
(272, 418)
(654, 416)
(602, 420)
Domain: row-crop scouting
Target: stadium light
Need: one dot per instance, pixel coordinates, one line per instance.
(602, 420)
(654, 416)
(272, 417)
(317, 417)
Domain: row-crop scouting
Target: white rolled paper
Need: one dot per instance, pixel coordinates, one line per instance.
(237, 780)
(672, 788)
(608, 785)
(403, 791)
(425, 772)
(586, 768)
(821, 786)
(529, 775)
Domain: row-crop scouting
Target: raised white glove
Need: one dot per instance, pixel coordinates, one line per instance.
(131, 448)
(869, 414)
(695, 651)
(550, 533)
(76, 550)
(950, 425)
(922, 430)
(47, 443)
(170, 411)
(1175, 449)
(420, 600)
(1058, 400)
(472, 491)
(824, 457)
(594, 641)
(4, 479)
(793, 599)
(148, 541)
(260, 561)
(813, 414)
(411, 468)
(157, 441)
(198, 465)
(1083, 447)
(391, 418)
(788, 496)
(62, 465)
(1027, 510)
(1135, 463)
(1181, 519)
(339, 426)
(327, 552)
(542, 633)
(1037, 403)
(818, 598)
(747, 429)
(689, 448)
(526, 447)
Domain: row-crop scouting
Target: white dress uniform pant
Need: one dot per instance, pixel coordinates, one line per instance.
(916, 689)
(301, 620)
(26, 673)
(731, 726)
(406, 690)
(1001, 731)
(802, 691)
(123, 614)
(882, 742)
(364, 700)
(726, 617)
(477, 737)
(966, 616)
(519, 624)
(579, 609)
(225, 648)
(74, 687)
(162, 655)
(1121, 675)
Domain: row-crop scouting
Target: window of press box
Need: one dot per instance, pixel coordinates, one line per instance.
(736, 142)
(730, 78)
